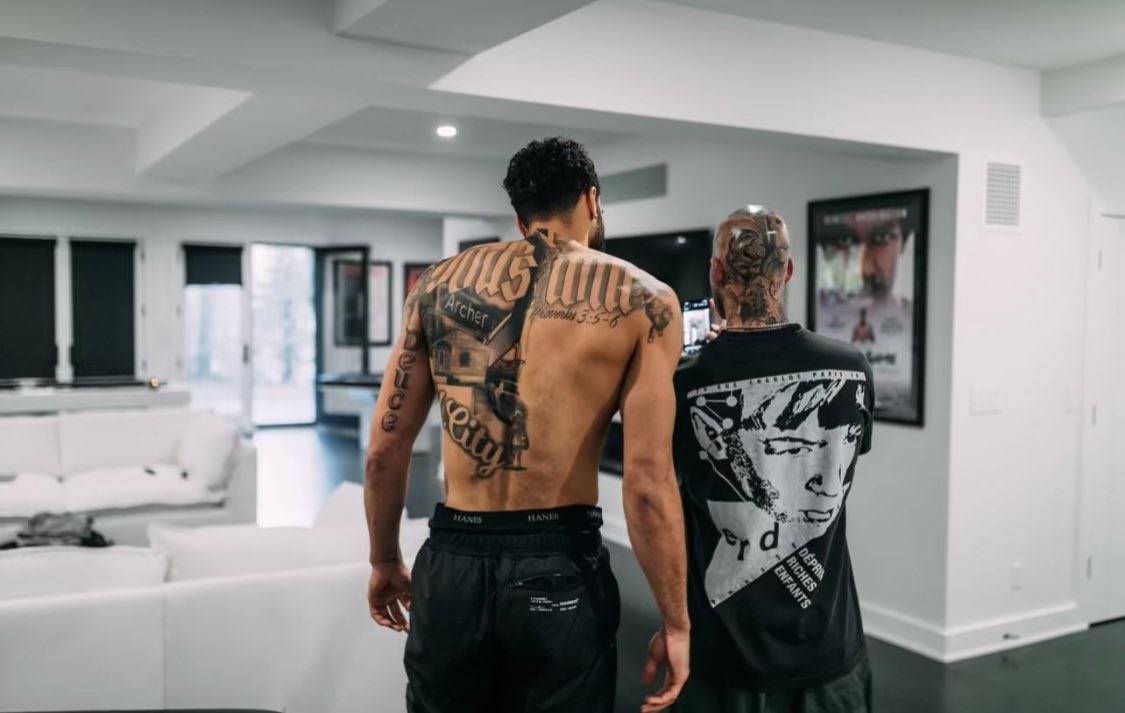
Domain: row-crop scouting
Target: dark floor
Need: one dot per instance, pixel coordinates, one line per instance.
(1083, 673)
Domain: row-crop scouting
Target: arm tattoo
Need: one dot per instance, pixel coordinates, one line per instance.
(410, 347)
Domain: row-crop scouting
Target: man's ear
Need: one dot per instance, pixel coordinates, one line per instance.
(789, 271)
(592, 203)
(718, 273)
(519, 227)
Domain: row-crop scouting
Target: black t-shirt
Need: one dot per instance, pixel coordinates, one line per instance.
(769, 425)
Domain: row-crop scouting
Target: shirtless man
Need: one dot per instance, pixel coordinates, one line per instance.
(530, 347)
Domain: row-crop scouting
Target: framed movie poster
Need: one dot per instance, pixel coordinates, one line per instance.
(349, 310)
(867, 287)
(379, 303)
(411, 272)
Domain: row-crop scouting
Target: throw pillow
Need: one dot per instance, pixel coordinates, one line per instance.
(206, 449)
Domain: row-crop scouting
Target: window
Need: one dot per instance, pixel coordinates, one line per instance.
(104, 302)
(27, 308)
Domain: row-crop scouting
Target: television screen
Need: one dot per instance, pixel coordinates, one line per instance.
(680, 260)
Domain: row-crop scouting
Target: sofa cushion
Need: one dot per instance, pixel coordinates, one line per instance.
(231, 550)
(107, 439)
(133, 486)
(30, 493)
(344, 507)
(29, 444)
(41, 571)
(205, 450)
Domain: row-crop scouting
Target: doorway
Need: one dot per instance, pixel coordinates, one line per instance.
(284, 334)
(1102, 495)
(215, 353)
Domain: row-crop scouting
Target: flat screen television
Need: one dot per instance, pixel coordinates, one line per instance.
(680, 260)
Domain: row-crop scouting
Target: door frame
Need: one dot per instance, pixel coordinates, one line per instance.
(1102, 346)
(323, 253)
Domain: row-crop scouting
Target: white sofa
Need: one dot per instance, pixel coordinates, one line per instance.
(126, 468)
(297, 638)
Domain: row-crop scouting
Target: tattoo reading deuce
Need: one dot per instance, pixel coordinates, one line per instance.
(406, 359)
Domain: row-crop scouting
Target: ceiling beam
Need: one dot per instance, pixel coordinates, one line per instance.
(197, 140)
(1083, 87)
(465, 26)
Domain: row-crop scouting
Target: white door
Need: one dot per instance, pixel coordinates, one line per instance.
(1102, 504)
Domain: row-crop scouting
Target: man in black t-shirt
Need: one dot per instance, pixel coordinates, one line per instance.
(770, 422)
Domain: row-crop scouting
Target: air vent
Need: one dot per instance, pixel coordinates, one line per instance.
(640, 183)
(1002, 197)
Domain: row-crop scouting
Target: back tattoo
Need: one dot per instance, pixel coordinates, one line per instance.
(473, 309)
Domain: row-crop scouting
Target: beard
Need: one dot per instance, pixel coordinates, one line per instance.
(597, 238)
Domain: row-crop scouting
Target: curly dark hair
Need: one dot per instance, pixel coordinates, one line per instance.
(546, 178)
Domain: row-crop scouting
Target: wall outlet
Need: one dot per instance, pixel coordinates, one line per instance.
(1017, 576)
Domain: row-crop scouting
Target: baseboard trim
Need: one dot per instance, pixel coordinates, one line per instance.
(1003, 634)
(970, 641)
(904, 631)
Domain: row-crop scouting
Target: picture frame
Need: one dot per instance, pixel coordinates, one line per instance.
(411, 271)
(349, 309)
(472, 243)
(380, 276)
(867, 286)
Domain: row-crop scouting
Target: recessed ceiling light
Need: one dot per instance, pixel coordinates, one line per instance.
(447, 131)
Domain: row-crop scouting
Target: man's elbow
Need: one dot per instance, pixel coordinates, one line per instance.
(647, 477)
(386, 454)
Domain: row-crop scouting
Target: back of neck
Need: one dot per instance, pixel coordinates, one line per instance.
(754, 309)
(556, 232)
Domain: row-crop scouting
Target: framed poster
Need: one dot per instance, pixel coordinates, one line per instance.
(411, 271)
(867, 287)
(348, 308)
(466, 244)
(379, 275)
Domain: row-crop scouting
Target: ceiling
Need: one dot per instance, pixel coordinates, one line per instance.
(1041, 34)
(35, 93)
(414, 132)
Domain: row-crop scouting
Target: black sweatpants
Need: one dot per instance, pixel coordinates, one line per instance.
(850, 693)
(513, 611)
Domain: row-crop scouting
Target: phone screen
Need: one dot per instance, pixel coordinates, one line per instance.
(697, 322)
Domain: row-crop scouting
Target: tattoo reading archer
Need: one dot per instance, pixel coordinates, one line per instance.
(411, 343)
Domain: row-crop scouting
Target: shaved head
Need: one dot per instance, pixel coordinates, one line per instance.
(750, 266)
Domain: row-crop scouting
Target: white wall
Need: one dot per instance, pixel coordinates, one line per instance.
(162, 229)
(454, 230)
(1013, 475)
(706, 181)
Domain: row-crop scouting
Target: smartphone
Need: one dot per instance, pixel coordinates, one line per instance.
(697, 322)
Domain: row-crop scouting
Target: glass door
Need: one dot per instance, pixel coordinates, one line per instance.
(214, 329)
(285, 329)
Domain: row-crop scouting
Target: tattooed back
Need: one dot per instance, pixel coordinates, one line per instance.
(528, 344)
